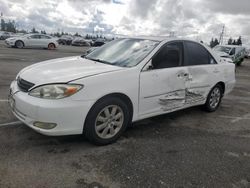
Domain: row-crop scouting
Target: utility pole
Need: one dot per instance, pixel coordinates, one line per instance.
(1, 21)
(222, 35)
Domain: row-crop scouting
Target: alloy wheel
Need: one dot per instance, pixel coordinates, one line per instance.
(215, 97)
(109, 121)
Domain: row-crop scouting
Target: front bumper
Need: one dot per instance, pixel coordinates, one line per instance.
(68, 114)
(10, 43)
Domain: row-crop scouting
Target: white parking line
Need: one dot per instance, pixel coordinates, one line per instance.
(11, 123)
(235, 119)
(3, 100)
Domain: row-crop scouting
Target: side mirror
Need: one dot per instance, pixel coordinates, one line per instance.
(149, 66)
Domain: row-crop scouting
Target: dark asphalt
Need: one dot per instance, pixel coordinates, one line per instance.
(186, 149)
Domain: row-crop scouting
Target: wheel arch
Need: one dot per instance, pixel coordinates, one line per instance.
(223, 86)
(52, 43)
(121, 96)
(19, 40)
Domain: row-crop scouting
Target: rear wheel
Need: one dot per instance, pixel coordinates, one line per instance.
(214, 99)
(240, 62)
(106, 121)
(51, 46)
(19, 44)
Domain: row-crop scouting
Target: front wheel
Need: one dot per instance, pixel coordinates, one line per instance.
(106, 121)
(214, 99)
(19, 44)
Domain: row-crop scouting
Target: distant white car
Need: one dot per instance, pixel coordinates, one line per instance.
(247, 54)
(235, 53)
(124, 81)
(32, 41)
(4, 35)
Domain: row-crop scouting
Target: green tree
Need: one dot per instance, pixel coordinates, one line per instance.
(212, 43)
(43, 32)
(33, 30)
(10, 26)
(2, 25)
(239, 41)
(77, 35)
(230, 41)
(216, 42)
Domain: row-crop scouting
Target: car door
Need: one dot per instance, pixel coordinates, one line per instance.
(162, 82)
(44, 41)
(33, 41)
(203, 70)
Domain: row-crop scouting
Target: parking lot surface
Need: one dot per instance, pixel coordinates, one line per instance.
(189, 148)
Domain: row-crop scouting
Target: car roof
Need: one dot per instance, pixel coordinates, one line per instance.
(231, 46)
(162, 38)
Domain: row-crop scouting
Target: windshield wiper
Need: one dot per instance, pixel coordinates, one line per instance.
(99, 60)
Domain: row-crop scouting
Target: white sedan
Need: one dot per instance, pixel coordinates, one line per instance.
(33, 41)
(121, 82)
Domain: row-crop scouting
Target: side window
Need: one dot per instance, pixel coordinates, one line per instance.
(35, 36)
(196, 54)
(168, 56)
(45, 37)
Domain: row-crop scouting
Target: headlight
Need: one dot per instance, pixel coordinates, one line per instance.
(55, 91)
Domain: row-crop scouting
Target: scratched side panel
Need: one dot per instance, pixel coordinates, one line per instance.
(161, 90)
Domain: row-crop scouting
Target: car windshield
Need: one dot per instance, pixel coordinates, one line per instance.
(223, 49)
(123, 52)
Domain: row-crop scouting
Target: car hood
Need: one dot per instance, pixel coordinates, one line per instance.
(222, 54)
(64, 70)
(12, 38)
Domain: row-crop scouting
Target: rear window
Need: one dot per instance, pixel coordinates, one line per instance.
(196, 54)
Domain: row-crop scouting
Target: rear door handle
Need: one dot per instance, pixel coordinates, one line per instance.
(182, 75)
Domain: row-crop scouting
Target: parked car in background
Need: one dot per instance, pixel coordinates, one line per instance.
(89, 51)
(65, 40)
(124, 81)
(4, 35)
(79, 41)
(236, 53)
(99, 42)
(247, 53)
(32, 41)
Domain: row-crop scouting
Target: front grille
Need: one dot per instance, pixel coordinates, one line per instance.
(24, 85)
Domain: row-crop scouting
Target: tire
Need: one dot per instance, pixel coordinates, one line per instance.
(51, 46)
(214, 98)
(111, 116)
(240, 62)
(19, 44)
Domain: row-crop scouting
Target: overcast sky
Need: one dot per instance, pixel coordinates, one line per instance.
(199, 19)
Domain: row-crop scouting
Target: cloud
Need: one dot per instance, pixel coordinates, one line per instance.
(188, 18)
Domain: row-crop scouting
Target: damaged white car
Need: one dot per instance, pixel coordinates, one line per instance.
(121, 82)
